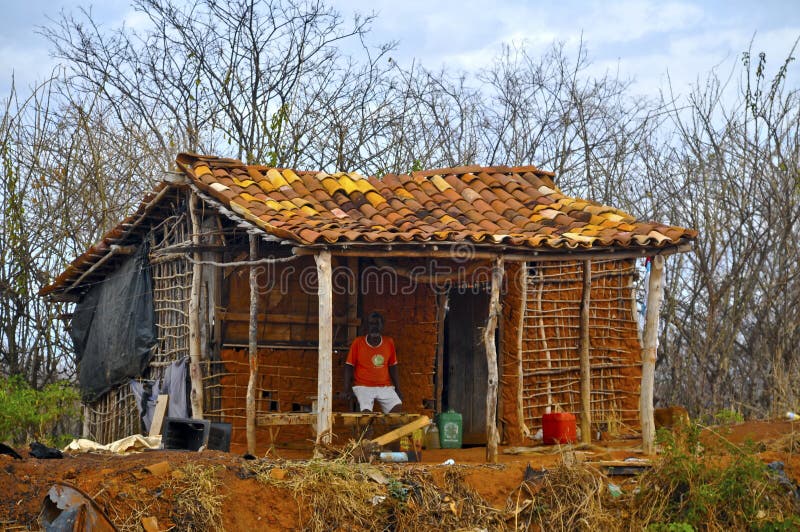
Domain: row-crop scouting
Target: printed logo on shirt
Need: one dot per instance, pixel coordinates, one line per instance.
(377, 360)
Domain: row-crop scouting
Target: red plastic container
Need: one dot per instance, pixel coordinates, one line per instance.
(559, 427)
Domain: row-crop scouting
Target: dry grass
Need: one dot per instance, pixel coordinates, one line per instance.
(450, 506)
(197, 498)
(334, 494)
(569, 497)
(788, 443)
(341, 495)
(730, 490)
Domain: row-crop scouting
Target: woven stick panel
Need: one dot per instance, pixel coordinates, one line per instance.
(551, 343)
(113, 416)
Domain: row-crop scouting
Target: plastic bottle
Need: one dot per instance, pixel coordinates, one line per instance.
(394, 457)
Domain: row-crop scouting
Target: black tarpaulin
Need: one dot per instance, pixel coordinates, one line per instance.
(113, 328)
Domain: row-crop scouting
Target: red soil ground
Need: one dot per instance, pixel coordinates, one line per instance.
(120, 485)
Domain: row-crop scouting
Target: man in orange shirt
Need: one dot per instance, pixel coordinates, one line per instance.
(370, 372)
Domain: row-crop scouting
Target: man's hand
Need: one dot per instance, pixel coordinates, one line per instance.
(346, 395)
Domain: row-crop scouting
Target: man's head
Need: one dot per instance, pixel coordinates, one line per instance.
(375, 323)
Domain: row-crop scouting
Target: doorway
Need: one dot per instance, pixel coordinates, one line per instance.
(465, 372)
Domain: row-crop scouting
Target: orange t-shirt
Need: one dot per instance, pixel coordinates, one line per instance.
(371, 364)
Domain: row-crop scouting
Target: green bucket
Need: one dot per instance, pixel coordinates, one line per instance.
(450, 429)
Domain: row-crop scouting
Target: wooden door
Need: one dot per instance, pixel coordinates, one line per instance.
(465, 360)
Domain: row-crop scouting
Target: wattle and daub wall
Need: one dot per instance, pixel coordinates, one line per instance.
(541, 346)
(545, 333)
(539, 341)
(288, 332)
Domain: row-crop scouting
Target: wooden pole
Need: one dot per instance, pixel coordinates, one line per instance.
(441, 314)
(195, 372)
(655, 295)
(523, 309)
(543, 334)
(252, 350)
(325, 368)
(586, 370)
(492, 436)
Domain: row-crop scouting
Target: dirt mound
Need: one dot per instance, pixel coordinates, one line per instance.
(288, 490)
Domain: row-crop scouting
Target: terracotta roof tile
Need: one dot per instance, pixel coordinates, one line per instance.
(518, 206)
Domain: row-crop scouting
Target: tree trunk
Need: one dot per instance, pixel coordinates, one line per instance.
(195, 372)
(253, 349)
(325, 369)
(492, 436)
(586, 369)
(655, 293)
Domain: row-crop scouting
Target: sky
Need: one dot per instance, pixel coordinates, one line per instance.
(642, 40)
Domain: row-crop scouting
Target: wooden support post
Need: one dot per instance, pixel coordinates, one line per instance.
(252, 350)
(325, 368)
(195, 371)
(586, 369)
(441, 314)
(352, 298)
(655, 295)
(523, 309)
(492, 436)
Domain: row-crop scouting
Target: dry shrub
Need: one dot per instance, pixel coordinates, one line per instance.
(788, 443)
(453, 506)
(197, 498)
(340, 495)
(569, 497)
(335, 494)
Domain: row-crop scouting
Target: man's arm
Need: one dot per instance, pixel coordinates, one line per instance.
(394, 375)
(348, 382)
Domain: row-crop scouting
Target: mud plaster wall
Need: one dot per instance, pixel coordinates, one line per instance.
(410, 313)
(287, 376)
(551, 342)
(510, 353)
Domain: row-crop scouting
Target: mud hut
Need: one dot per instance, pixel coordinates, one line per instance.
(505, 297)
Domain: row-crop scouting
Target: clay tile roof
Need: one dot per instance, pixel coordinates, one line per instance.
(497, 204)
(516, 206)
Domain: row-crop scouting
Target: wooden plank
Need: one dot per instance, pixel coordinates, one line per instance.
(349, 419)
(492, 436)
(339, 418)
(195, 371)
(466, 368)
(269, 420)
(452, 250)
(325, 367)
(158, 415)
(655, 295)
(250, 404)
(396, 434)
(586, 370)
(286, 319)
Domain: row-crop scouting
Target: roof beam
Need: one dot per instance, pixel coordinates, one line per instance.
(513, 255)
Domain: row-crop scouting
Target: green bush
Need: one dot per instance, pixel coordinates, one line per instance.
(728, 416)
(731, 489)
(27, 414)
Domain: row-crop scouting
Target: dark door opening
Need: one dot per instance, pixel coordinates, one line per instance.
(465, 373)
